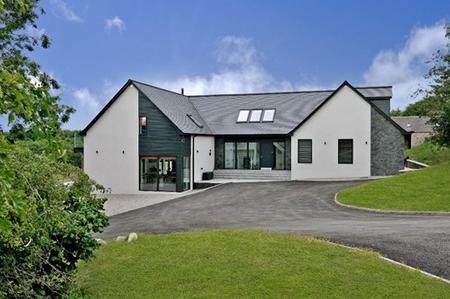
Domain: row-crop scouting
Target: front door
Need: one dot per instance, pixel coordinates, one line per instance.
(158, 174)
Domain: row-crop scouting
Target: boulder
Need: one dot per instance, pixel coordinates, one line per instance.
(132, 237)
(121, 238)
(101, 242)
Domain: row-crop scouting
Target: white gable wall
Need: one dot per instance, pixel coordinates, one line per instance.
(345, 116)
(114, 132)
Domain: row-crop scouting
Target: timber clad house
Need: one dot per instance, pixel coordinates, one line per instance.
(150, 139)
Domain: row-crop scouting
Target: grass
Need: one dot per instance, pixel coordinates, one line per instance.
(238, 263)
(424, 190)
(429, 153)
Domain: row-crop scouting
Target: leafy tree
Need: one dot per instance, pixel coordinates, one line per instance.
(25, 90)
(48, 209)
(437, 100)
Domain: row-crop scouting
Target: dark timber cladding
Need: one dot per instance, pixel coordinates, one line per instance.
(162, 137)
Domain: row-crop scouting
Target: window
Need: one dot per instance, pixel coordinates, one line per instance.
(304, 151)
(243, 116)
(268, 115)
(345, 151)
(142, 124)
(255, 116)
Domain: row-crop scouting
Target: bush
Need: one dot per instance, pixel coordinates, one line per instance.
(46, 227)
(429, 153)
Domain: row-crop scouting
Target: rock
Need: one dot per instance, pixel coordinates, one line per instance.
(101, 242)
(121, 238)
(132, 237)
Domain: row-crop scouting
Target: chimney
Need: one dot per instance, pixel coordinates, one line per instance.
(182, 91)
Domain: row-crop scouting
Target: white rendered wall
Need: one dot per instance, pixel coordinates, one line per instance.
(203, 156)
(344, 116)
(115, 131)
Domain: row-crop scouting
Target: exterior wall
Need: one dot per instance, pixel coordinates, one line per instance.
(115, 137)
(384, 105)
(203, 156)
(419, 138)
(344, 116)
(162, 137)
(387, 146)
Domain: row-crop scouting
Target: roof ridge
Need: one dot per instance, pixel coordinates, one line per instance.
(160, 88)
(282, 92)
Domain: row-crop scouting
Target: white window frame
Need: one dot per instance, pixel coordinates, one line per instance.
(242, 112)
(272, 116)
(254, 112)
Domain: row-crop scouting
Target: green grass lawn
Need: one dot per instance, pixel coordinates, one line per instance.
(237, 263)
(424, 190)
(429, 153)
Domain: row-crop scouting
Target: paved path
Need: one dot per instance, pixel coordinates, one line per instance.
(302, 207)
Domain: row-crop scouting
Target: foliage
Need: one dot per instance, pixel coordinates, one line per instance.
(25, 91)
(246, 264)
(422, 190)
(45, 226)
(430, 153)
(436, 100)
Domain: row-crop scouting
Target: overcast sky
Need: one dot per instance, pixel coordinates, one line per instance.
(236, 46)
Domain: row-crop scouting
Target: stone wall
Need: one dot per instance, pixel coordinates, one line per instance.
(387, 144)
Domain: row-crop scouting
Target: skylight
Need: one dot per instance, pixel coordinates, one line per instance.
(243, 116)
(255, 116)
(268, 115)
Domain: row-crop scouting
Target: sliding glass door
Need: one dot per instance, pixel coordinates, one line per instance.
(158, 174)
(242, 155)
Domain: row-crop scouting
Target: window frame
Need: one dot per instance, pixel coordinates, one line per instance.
(273, 116)
(251, 115)
(246, 118)
(340, 160)
(142, 128)
(310, 160)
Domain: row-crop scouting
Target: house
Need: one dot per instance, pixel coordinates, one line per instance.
(150, 139)
(418, 128)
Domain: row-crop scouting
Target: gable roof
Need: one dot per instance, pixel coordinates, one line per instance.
(217, 114)
(414, 124)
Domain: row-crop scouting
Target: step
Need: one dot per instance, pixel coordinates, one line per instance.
(281, 175)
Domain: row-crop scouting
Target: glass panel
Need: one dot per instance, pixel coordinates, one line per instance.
(149, 174)
(253, 155)
(241, 153)
(268, 115)
(230, 155)
(167, 174)
(255, 116)
(304, 151)
(345, 151)
(186, 173)
(279, 155)
(243, 116)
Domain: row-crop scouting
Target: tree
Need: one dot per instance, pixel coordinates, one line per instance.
(25, 90)
(48, 209)
(436, 101)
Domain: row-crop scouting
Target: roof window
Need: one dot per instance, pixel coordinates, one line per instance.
(268, 115)
(243, 116)
(255, 116)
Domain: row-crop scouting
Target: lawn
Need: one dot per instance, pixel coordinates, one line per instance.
(424, 190)
(238, 263)
(429, 153)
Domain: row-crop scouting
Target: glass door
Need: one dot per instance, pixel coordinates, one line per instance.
(149, 174)
(167, 174)
(279, 155)
(158, 174)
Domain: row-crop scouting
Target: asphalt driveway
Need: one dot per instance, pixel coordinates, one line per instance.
(306, 208)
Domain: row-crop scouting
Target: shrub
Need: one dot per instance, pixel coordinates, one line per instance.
(46, 227)
(429, 153)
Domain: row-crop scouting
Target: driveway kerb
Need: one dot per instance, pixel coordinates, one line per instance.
(399, 212)
(390, 261)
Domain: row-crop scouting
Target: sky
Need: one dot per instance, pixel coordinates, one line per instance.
(236, 46)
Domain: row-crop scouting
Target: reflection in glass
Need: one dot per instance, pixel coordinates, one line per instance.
(241, 155)
(279, 155)
(230, 154)
(253, 155)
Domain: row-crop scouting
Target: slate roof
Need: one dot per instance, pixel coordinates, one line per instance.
(217, 114)
(414, 124)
